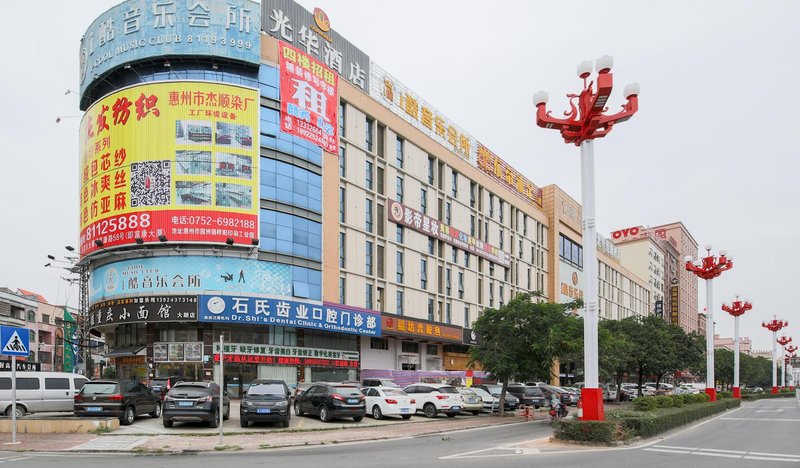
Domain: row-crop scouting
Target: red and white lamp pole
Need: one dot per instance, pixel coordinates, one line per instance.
(736, 308)
(789, 355)
(708, 268)
(783, 341)
(584, 122)
(774, 326)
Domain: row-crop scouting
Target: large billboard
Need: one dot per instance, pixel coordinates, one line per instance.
(170, 161)
(570, 285)
(138, 29)
(192, 274)
(143, 310)
(309, 99)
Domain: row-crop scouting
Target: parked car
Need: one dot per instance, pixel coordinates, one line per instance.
(433, 399)
(472, 402)
(490, 403)
(613, 392)
(389, 401)
(602, 386)
(512, 402)
(195, 401)
(375, 382)
(161, 385)
(301, 388)
(123, 399)
(40, 391)
(330, 400)
(266, 401)
(567, 397)
(573, 394)
(628, 392)
(530, 396)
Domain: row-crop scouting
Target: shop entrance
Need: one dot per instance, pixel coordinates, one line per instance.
(189, 372)
(238, 378)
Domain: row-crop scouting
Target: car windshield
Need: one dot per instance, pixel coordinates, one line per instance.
(533, 391)
(91, 388)
(267, 389)
(447, 390)
(494, 389)
(482, 393)
(389, 383)
(394, 392)
(188, 391)
(466, 391)
(346, 391)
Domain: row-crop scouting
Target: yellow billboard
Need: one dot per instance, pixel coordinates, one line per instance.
(173, 161)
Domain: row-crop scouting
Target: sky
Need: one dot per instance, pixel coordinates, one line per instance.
(711, 145)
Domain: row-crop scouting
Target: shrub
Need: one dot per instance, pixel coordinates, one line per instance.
(704, 397)
(599, 432)
(761, 396)
(664, 402)
(724, 395)
(677, 401)
(645, 403)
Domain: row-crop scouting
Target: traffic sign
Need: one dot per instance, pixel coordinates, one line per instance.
(14, 341)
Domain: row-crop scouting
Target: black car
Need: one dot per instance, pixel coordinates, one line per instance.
(268, 401)
(512, 402)
(123, 399)
(161, 385)
(528, 395)
(330, 400)
(195, 401)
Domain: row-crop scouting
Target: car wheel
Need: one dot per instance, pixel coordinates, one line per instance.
(129, 416)
(475, 413)
(156, 412)
(451, 415)
(376, 412)
(167, 423)
(430, 410)
(406, 416)
(214, 422)
(244, 422)
(358, 418)
(20, 411)
(323, 414)
(297, 410)
(536, 407)
(285, 423)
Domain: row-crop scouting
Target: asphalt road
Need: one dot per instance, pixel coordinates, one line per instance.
(760, 434)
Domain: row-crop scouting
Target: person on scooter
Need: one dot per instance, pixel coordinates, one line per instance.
(555, 405)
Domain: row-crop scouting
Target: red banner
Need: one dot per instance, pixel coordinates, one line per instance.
(309, 99)
(286, 361)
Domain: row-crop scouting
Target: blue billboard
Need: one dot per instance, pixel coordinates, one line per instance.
(269, 311)
(192, 274)
(139, 29)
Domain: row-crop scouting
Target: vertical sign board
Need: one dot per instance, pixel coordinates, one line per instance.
(14, 342)
(673, 298)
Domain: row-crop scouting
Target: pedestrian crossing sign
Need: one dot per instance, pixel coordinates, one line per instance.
(14, 341)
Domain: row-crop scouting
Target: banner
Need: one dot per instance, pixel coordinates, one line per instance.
(147, 309)
(286, 351)
(309, 99)
(174, 160)
(72, 337)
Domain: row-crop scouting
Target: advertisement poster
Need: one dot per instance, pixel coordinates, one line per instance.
(189, 274)
(173, 161)
(160, 352)
(309, 99)
(175, 351)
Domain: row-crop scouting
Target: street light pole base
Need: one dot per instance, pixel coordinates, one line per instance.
(774, 389)
(737, 392)
(592, 404)
(712, 394)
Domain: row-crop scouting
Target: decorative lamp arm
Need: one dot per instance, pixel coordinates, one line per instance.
(628, 109)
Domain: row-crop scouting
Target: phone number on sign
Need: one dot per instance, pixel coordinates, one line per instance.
(218, 221)
(118, 223)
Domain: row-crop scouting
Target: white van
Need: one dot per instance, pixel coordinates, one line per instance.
(40, 392)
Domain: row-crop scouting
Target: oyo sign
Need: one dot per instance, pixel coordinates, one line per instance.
(626, 233)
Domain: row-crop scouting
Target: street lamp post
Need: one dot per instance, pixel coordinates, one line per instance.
(774, 326)
(708, 268)
(583, 123)
(736, 308)
(783, 341)
(789, 356)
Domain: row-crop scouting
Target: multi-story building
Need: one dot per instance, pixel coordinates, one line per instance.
(645, 258)
(727, 343)
(677, 238)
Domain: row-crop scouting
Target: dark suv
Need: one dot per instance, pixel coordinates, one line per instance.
(331, 401)
(161, 385)
(267, 400)
(528, 395)
(123, 399)
(195, 401)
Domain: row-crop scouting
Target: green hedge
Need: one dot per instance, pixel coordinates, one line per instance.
(762, 396)
(598, 432)
(650, 424)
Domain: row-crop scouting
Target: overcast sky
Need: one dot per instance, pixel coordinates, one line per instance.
(711, 145)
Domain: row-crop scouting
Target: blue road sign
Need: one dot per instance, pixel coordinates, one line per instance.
(14, 341)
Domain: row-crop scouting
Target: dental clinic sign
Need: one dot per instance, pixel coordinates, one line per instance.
(269, 311)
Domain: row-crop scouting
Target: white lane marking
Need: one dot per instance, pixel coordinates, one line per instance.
(713, 454)
(763, 419)
(774, 454)
(682, 452)
(748, 457)
(779, 410)
(19, 458)
(673, 447)
(723, 451)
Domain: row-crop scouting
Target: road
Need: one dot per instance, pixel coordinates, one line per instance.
(761, 433)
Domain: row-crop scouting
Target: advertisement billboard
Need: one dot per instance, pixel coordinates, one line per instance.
(138, 29)
(402, 326)
(570, 284)
(189, 274)
(174, 161)
(309, 99)
(674, 305)
(287, 355)
(144, 309)
(502, 172)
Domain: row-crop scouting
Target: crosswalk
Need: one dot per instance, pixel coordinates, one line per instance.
(707, 452)
(13, 458)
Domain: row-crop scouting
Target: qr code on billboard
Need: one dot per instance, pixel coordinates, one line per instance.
(150, 183)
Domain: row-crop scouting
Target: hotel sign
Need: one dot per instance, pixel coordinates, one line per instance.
(502, 172)
(394, 325)
(673, 299)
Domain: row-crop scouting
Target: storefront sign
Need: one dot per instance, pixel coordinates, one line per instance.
(502, 172)
(394, 325)
(674, 302)
(144, 309)
(416, 220)
(129, 360)
(289, 22)
(178, 352)
(469, 337)
(21, 366)
(286, 351)
(570, 279)
(309, 99)
(138, 29)
(404, 103)
(174, 160)
(287, 361)
(638, 232)
(269, 311)
(192, 273)
(659, 308)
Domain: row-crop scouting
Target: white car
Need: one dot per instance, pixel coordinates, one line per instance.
(490, 403)
(433, 399)
(389, 401)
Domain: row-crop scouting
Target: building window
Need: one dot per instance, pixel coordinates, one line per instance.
(472, 225)
(380, 180)
(368, 137)
(369, 175)
(500, 294)
(400, 189)
(368, 260)
(381, 138)
(525, 225)
(502, 210)
(466, 259)
(380, 220)
(379, 344)
(431, 165)
(342, 290)
(454, 188)
(423, 201)
(455, 255)
(399, 302)
(448, 315)
(409, 347)
(432, 350)
(400, 267)
(447, 281)
(491, 205)
(368, 297)
(431, 245)
(461, 285)
(472, 187)
(341, 118)
(400, 155)
(342, 246)
(570, 252)
(430, 309)
(342, 162)
(380, 261)
(423, 267)
(368, 226)
(491, 269)
(341, 204)
(400, 233)
(491, 294)
(466, 317)
(502, 236)
(448, 212)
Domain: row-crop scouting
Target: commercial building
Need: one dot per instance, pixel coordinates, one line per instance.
(727, 343)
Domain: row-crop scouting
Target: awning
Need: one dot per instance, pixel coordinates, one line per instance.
(125, 351)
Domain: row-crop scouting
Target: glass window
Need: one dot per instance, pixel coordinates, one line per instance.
(291, 234)
(368, 214)
(447, 281)
(491, 205)
(467, 322)
(400, 189)
(341, 118)
(431, 164)
(379, 343)
(369, 124)
(448, 315)
(369, 175)
(342, 290)
(466, 259)
(502, 210)
(399, 306)
(368, 297)
(400, 272)
(291, 184)
(423, 266)
(342, 201)
(400, 155)
(369, 258)
(380, 180)
(409, 347)
(431, 245)
(461, 285)
(430, 309)
(400, 234)
(454, 188)
(472, 186)
(472, 225)
(455, 254)
(342, 244)
(423, 201)
(342, 162)
(56, 383)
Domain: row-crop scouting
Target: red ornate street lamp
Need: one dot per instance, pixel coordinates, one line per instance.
(789, 355)
(774, 326)
(783, 341)
(736, 308)
(708, 268)
(584, 122)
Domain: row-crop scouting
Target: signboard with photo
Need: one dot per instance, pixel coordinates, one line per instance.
(176, 352)
(160, 353)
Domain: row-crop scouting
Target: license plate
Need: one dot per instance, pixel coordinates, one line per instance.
(352, 401)
(263, 410)
(185, 403)
(94, 408)
(405, 410)
(456, 408)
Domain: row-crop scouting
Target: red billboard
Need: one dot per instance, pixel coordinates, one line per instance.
(309, 99)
